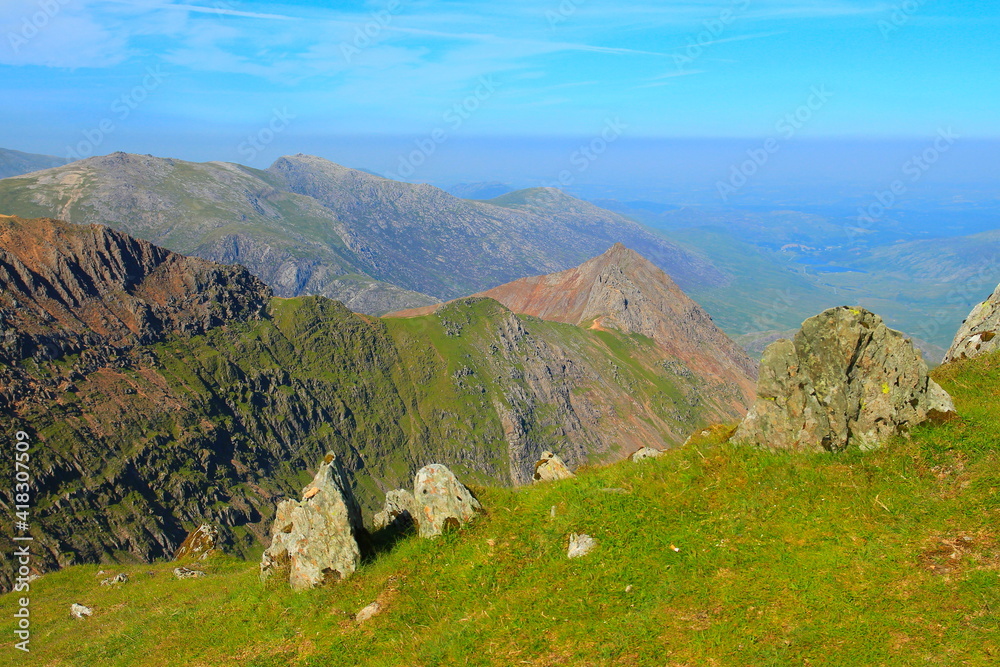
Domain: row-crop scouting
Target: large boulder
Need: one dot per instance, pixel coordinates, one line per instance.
(978, 334)
(397, 513)
(846, 379)
(550, 468)
(441, 501)
(315, 540)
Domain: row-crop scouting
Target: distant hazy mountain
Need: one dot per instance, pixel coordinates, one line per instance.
(487, 190)
(15, 163)
(162, 391)
(308, 226)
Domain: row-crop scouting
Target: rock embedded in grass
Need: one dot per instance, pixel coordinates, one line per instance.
(367, 612)
(79, 611)
(978, 334)
(551, 468)
(846, 379)
(580, 545)
(646, 453)
(185, 573)
(314, 541)
(199, 544)
(441, 501)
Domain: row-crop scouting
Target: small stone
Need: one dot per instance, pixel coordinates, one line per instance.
(367, 612)
(552, 512)
(646, 453)
(628, 589)
(185, 573)
(441, 501)
(551, 468)
(120, 578)
(79, 610)
(310, 493)
(580, 545)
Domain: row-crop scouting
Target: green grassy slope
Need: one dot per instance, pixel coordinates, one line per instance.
(711, 555)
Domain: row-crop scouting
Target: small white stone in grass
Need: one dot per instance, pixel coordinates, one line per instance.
(580, 545)
(367, 612)
(79, 610)
(552, 512)
(628, 589)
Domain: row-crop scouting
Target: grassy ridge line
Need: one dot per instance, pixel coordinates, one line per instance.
(889, 557)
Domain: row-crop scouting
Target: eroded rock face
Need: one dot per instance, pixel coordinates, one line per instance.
(550, 468)
(978, 334)
(199, 544)
(314, 540)
(441, 500)
(846, 379)
(397, 513)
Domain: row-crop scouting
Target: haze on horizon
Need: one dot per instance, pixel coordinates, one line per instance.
(651, 100)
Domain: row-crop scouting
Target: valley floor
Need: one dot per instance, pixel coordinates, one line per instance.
(711, 555)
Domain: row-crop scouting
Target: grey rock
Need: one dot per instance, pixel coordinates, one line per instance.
(314, 541)
(186, 573)
(117, 579)
(367, 612)
(580, 545)
(978, 334)
(550, 468)
(441, 501)
(397, 513)
(199, 544)
(79, 611)
(646, 453)
(846, 379)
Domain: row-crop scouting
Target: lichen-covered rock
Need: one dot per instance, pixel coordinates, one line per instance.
(368, 612)
(314, 541)
(550, 468)
(846, 379)
(199, 544)
(580, 545)
(397, 513)
(441, 501)
(646, 453)
(978, 334)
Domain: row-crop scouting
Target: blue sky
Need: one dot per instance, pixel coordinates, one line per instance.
(196, 79)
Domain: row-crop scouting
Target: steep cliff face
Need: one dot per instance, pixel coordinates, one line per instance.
(176, 394)
(622, 290)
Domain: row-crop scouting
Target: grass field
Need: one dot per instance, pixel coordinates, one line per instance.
(711, 555)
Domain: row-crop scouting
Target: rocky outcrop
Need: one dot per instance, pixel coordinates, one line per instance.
(199, 544)
(398, 512)
(68, 288)
(441, 501)
(845, 379)
(550, 468)
(315, 540)
(978, 334)
(188, 573)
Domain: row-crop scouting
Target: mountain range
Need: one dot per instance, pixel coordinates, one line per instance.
(15, 163)
(165, 391)
(309, 226)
